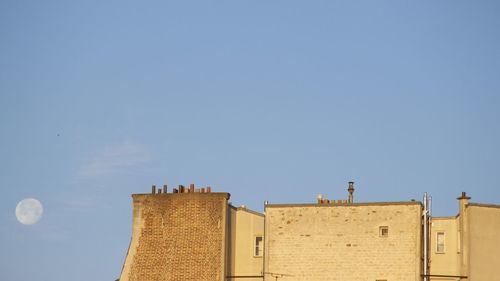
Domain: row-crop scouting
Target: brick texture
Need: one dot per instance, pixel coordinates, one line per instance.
(342, 242)
(177, 237)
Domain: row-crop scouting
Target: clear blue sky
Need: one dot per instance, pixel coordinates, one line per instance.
(267, 100)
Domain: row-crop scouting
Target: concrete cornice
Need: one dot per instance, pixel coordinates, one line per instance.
(483, 205)
(344, 204)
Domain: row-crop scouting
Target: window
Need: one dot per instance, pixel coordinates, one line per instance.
(383, 231)
(259, 246)
(440, 242)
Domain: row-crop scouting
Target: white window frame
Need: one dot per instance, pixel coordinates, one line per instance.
(443, 250)
(258, 249)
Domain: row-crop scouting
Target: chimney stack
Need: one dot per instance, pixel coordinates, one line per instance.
(463, 231)
(463, 200)
(351, 192)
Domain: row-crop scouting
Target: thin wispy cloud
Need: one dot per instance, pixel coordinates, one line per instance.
(114, 159)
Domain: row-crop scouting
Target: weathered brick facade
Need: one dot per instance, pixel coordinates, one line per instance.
(198, 236)
(179, 236)
(330, 242)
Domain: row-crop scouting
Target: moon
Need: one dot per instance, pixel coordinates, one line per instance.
(29, 211)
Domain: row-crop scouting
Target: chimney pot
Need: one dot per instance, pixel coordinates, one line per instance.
(153, 189)
(209, 189)
(164, 188)
(463, 196)
(191, 187)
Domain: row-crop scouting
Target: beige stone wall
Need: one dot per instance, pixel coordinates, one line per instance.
(177, 237)
(484, 242)
(341, 242)
(447, 262)
(248, 225)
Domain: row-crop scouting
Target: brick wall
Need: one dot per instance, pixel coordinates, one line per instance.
(342, 242)
(177, 237)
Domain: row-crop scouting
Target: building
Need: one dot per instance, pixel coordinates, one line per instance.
(356, 241)
(245, 257)
(197, 235)
(466, 245)
(192, 234)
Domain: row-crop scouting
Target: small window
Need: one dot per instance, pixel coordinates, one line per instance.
(440, 242)
(259, 246)
(383, 231)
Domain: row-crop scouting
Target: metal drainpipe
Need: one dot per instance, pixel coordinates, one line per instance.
(429, 236)
(425, 236)
(264, 242)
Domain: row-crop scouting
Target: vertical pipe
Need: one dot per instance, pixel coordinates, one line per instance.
(429, 230)
(425, 224)
(264, 241)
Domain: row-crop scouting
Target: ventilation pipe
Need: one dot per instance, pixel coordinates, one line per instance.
(351, 192)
